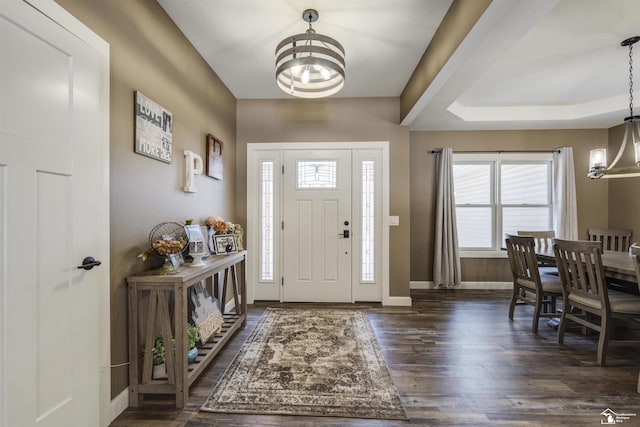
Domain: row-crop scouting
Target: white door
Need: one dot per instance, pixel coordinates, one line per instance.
(317, 226)
(53, 213)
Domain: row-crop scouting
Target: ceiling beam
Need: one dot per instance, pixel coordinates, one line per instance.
(459, 20)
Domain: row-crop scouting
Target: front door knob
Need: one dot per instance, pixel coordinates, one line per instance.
(89, 262)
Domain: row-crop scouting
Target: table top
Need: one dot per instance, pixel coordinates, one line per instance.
(617, 265)
(187, 274)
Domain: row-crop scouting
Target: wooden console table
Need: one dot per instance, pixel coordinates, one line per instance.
(158, 305)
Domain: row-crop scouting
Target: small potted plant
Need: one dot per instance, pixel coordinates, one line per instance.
(192, 337)
(159, 367)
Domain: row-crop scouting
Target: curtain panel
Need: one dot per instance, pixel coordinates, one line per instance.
(565, 207)
(446, 259)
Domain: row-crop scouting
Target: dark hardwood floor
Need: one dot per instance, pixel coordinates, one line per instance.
(456, 360)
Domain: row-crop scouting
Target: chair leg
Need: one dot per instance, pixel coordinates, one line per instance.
(514, 299)
(536, 313)
(561, 326)
(603, 340)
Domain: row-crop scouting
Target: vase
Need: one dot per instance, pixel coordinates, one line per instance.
(159, 371)
(192, 354)
(168, 267)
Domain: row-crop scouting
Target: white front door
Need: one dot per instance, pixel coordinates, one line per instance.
(53, 213)
(317, 226)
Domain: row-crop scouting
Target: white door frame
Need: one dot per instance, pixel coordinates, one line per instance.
(253, 208)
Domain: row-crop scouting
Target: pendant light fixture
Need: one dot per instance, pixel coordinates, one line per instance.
(310, 65)
(598, 158)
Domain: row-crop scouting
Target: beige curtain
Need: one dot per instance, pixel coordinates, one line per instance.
(565, 208)
(446, 259)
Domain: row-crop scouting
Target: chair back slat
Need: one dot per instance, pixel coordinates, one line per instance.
(634, 251)
(542, 239)
(580, 268)
(612, 239)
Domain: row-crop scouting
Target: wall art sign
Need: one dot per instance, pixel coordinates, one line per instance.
(153, 129)
(214, 157)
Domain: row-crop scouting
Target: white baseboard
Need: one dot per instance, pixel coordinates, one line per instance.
(422, 284)
(397, 301)
(464, 285)
(119, 404)
(230, 306)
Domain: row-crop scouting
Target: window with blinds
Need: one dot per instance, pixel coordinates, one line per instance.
(498, 194)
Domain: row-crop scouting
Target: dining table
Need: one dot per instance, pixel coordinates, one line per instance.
(619, 269)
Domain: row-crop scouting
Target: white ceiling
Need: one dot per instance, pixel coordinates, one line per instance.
(543, 64)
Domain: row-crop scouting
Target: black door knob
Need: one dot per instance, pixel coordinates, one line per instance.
(89, 262)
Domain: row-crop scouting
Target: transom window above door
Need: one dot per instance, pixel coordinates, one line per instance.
(316, 174)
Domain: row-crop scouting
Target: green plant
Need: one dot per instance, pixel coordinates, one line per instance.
(192, 336)
(158, 351)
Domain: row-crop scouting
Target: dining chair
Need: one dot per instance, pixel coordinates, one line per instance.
(586, 298)
(612, 239)
(544, 241)
(529, 286)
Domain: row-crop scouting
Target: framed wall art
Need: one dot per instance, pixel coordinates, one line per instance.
(214, 157)
(153, 131)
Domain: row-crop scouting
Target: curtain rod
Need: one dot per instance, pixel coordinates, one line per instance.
(500, 151)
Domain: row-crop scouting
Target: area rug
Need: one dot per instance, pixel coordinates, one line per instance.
(317, 362)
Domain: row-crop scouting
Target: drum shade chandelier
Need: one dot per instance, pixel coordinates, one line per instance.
(310, 65)
(598, 158)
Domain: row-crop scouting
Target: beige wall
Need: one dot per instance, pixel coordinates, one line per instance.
(624, 193)
(336, 120)
(592, 195)
(149, 54)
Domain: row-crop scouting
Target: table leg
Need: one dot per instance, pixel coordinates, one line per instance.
(134, 395)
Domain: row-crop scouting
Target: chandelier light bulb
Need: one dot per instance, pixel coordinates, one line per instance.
(326, 74)
(305, 76)
(598, 159)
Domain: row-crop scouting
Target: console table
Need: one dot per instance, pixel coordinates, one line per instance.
(158, 305)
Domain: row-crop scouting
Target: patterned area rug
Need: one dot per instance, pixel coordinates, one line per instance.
(319, 362)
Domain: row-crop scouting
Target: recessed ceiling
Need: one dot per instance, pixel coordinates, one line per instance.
(543, 64)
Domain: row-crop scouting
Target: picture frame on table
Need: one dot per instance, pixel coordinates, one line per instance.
(176, 260)
(225, 243)
(205, 312)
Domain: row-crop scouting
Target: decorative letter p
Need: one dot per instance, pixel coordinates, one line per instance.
(193, 166)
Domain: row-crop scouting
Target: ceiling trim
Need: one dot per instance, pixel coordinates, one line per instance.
(539, 112)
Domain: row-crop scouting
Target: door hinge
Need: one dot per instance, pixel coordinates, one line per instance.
(282, 169)
(282, 281)
(283, 225)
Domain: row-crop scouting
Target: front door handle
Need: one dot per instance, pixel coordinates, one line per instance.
(89, 262)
